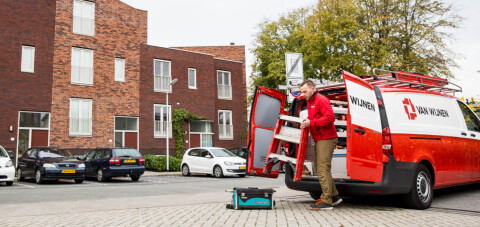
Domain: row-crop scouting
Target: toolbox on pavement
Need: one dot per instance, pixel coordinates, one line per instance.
(252, 198)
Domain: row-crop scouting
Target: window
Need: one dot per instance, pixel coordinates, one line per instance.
(225, 127)
(204, 129)
(126, 131)
(162, 117)
(84, 17)
(80, 117)
(470, 119)
(82, 66)
(224, 85)
(162, 78)
(34, 120)
(120, 69)
(28, 59)
(192, 78)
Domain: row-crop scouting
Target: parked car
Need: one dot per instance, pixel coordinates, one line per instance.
(212, 160)
(50, 163)
(105, 163)
(240, 152)
(7, 170)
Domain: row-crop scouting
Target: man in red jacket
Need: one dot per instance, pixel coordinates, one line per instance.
(321, 122)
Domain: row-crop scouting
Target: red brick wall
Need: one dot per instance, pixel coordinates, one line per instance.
(202, 101)
(120, 30)
(24, 22)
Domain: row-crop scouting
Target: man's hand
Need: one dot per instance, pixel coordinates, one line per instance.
(305, 123)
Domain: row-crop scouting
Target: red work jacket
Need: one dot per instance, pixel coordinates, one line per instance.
(322, 118)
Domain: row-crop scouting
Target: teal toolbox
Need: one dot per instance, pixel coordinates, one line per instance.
(252, 198)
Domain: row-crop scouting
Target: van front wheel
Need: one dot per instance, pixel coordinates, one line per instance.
(421, 195)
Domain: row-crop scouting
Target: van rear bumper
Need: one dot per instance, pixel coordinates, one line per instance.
(397, 178)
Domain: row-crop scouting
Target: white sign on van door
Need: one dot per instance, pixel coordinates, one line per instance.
(363, 106)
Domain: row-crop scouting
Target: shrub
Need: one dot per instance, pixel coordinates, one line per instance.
(159, 163)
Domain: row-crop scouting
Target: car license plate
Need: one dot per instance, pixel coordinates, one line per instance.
(129, 161)
(68, 171)
(242, 167)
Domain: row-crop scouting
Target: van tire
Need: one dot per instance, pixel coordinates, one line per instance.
(421, 195)
(315, 195)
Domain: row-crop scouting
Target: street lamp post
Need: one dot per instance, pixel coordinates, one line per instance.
(168, 123)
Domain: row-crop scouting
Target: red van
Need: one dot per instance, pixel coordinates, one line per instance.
(399, 133)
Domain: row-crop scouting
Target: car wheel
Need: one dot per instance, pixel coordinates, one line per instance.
(78, 181)
(135, 178)
(217, 171)
(185, 170)
(20, 176)
(38, 177)
(9, 183)
(421, 194)
(315, 195)
(100, 176)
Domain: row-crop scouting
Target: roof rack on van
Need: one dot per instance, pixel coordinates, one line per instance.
(412, 80)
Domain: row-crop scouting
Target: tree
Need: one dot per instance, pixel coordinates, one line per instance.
(358, 36)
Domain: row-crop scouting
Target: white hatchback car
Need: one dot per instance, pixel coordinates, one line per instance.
(213, 160)
(7, 170)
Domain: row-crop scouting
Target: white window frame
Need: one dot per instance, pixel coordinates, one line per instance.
(194, 71)
(85, 17)
(222, 128)
(79, 133)
(85, 71)
(120, 69)
(223, 87)
(158, 78)
(162, 133)
(24, 67)
(124, 131)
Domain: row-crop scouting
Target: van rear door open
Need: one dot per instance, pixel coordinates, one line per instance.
(267, 105)
(364, 131)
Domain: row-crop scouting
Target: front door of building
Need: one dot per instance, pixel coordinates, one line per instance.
(126, 132)
(33, 130)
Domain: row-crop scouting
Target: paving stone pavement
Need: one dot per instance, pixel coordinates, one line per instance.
(289, 211)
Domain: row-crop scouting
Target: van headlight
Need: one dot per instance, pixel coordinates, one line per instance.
(229, 163)
(49, 165)
(81, 165)
(9, 164)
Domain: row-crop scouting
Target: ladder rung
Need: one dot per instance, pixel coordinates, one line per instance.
(290, 118)
(340, 123)
(340, 110)
(283, 158)
(288, 139)
(339, 102)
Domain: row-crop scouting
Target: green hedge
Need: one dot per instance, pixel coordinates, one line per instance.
(159, 163)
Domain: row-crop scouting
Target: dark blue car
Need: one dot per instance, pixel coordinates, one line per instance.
(105, 163)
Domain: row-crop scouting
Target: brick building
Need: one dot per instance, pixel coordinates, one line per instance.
(79, 74)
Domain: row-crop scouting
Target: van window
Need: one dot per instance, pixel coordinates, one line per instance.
(470, 118)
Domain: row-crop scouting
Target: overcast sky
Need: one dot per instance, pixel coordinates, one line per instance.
(220, 22)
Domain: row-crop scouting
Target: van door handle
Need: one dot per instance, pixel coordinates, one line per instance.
(359, 130)
(464, 134)
(473, 135)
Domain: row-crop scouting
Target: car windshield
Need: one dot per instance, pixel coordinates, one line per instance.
(54, 153)
(3, 153)
(126, 153)
(220, 152)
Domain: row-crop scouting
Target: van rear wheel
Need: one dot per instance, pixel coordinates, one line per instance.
(421, 195)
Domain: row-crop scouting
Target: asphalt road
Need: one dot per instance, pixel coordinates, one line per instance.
(463, 198)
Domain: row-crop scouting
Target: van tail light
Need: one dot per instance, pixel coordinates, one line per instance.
(141, 160)
(114, 161)
(387, 142)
